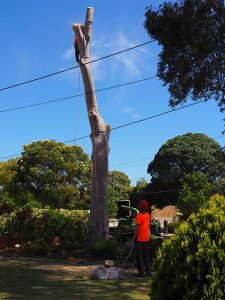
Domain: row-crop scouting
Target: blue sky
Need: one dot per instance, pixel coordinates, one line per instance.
(36, 39)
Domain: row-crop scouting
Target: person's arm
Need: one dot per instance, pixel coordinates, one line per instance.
(137, 229)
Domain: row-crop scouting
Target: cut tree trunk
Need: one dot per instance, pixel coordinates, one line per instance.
(100, 131)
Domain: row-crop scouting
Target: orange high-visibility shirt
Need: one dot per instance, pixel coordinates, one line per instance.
(143, 219)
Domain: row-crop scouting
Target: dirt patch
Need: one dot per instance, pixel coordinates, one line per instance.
(63, 267)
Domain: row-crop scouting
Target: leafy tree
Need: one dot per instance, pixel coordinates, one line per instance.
(120, 184)
(139, 191)
(183, 155)
(7, 173)
(56, 175)
(195, 193)
(192, 36)
(112, 203)
(219, 186)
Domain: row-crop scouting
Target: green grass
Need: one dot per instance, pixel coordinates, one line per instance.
(28, 280)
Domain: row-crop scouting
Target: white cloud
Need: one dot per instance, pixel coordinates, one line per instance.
(128, 110)
(129, 64)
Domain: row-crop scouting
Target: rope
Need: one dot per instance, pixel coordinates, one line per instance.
(129, 254)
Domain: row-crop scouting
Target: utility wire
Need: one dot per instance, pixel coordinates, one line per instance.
(128, 124)
(142, 120)
(77, 95)
(165, 191)
(158, 115)
(71, 68)
(130, 162)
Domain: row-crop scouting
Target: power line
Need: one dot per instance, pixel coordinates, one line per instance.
(158, 115)
(77, 95)
(158, 192)
(71, 68)
(131, 123)
(133, 161)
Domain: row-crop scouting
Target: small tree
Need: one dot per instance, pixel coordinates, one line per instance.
(113, 206)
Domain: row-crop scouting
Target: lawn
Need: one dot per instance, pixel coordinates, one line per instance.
(48, 279)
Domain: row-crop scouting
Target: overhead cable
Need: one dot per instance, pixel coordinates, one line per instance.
(71, 68)
(77, 95)
(131, 123)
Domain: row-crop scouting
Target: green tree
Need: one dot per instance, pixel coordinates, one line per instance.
(195, 193)
(54, 174)
(120, 184)
(183, 155)
(219, 186)
(112, 203)
(192, 61)
(7, 174)
(139, 191)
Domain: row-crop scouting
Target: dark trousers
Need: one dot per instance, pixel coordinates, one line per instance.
(77, 53)
(142, 258)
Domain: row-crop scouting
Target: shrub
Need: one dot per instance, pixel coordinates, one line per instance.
(38, 247)
(154, 244)
(173, 226)
(71, 226)
(191, 265)
(104, 249)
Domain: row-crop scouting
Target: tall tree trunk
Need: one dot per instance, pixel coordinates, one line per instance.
(100, 131)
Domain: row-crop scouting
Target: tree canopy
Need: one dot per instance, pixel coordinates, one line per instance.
(185, 154)
(120, 184)
(196, 191)
(54, 174)
(192, 60)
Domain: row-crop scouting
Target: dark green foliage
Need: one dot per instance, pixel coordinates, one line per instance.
(71, 226)
(112, 203)
(120, 184)
(195, 193)
(191, 265)
(192, 60)
(104, 249)
(183, 155)
(173, 226)
(219, 186)
(154, 244)
(138, 192)
(36, 248)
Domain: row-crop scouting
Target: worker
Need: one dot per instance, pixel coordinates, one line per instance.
(141, 239)
(77, 51)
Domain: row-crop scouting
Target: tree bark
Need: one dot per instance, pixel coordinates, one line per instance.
(100, 131)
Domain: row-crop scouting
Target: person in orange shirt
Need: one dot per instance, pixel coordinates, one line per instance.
(141, 239)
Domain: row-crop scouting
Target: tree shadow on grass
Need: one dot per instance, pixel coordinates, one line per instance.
(23, 280)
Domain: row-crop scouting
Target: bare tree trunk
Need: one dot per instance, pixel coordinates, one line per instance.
(100, 131)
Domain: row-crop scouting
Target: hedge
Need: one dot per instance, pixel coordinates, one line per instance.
(71, 226)
(191, 265)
